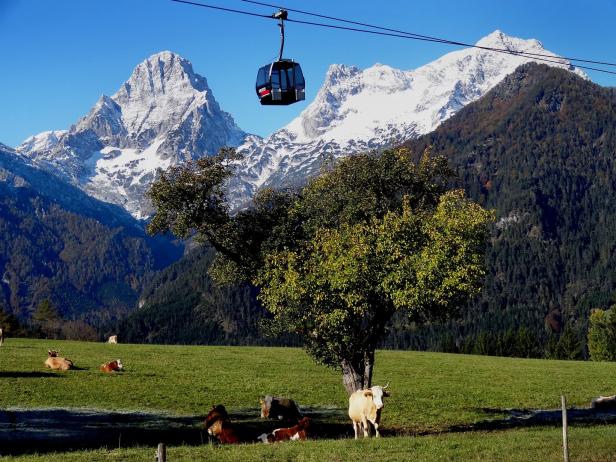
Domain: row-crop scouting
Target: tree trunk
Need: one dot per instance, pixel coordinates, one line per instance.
(368, 367)
(352, 378)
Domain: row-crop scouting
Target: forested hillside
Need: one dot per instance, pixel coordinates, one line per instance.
(182, 305)
(540, 149)
(84, 258)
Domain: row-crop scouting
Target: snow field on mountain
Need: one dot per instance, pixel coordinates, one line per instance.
(165, 114)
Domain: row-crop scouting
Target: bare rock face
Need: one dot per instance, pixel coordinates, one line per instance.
(163, 114)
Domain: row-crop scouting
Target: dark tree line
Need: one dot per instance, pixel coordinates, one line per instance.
(539, 149)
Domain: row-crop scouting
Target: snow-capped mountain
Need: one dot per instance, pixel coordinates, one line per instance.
(166, 114)
(356, 110)
(163, 114)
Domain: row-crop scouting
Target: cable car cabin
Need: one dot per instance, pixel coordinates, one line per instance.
(280, 83)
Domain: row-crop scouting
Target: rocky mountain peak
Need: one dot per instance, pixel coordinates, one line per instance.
(164, 73)
(339, 72)
(357, 110)
(41, 142)
(165, 113)
(498, 39)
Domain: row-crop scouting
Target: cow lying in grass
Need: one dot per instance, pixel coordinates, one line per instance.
(112, 366)
(275, 407)
(604, 402)
(298, 432)
(217, 425)
(57, 363)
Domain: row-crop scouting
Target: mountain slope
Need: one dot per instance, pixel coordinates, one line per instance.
(540, 150)
(60, 244)
(380, 106)
(163, 114)
(181, 305)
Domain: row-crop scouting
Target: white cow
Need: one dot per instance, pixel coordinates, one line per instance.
(1, 336)
(113, 339)
(365, 406)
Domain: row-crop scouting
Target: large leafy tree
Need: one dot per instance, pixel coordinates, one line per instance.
(341, 288)
(372, 235)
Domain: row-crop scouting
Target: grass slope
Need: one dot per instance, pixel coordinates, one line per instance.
(430, 392)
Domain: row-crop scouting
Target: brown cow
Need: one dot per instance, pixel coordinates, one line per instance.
(275, 407)
(297, 433)
(217, 425)
(57, 363)
(112, 366)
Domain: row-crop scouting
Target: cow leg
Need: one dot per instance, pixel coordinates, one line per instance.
(356, 428)
(376, 429)
(364, 423)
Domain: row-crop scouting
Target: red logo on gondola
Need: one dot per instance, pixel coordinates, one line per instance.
(264, 92)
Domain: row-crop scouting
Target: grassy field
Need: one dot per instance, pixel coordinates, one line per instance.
(588, 444)
(430, 392)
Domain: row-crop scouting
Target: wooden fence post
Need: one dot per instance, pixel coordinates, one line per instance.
(563, 402)
(161, 453)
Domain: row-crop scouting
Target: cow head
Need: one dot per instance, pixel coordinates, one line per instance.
(215, 428)
(377, 393)
(52, 353)
(266, 406)
(385, 392)
(218, 413)
(120, 366)
(304, 423)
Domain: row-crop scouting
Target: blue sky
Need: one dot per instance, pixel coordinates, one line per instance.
(57, 57)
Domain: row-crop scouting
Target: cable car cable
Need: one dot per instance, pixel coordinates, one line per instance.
(230, 10)
(497, 50)
(556, 59)
(398, 35)
(428, 37)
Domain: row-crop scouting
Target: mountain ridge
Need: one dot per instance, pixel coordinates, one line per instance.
(357, 110)
(537, 149)
(165, 114)
(86, 256)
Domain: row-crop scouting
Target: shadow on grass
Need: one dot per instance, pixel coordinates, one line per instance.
(77, 368)
(27, 375)
(516, 418)
(44, 430)
(24, 431)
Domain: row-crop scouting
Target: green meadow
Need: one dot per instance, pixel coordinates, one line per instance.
(431, 394)
(592, 444)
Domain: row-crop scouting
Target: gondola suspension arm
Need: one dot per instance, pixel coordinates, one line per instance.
(282, 15)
